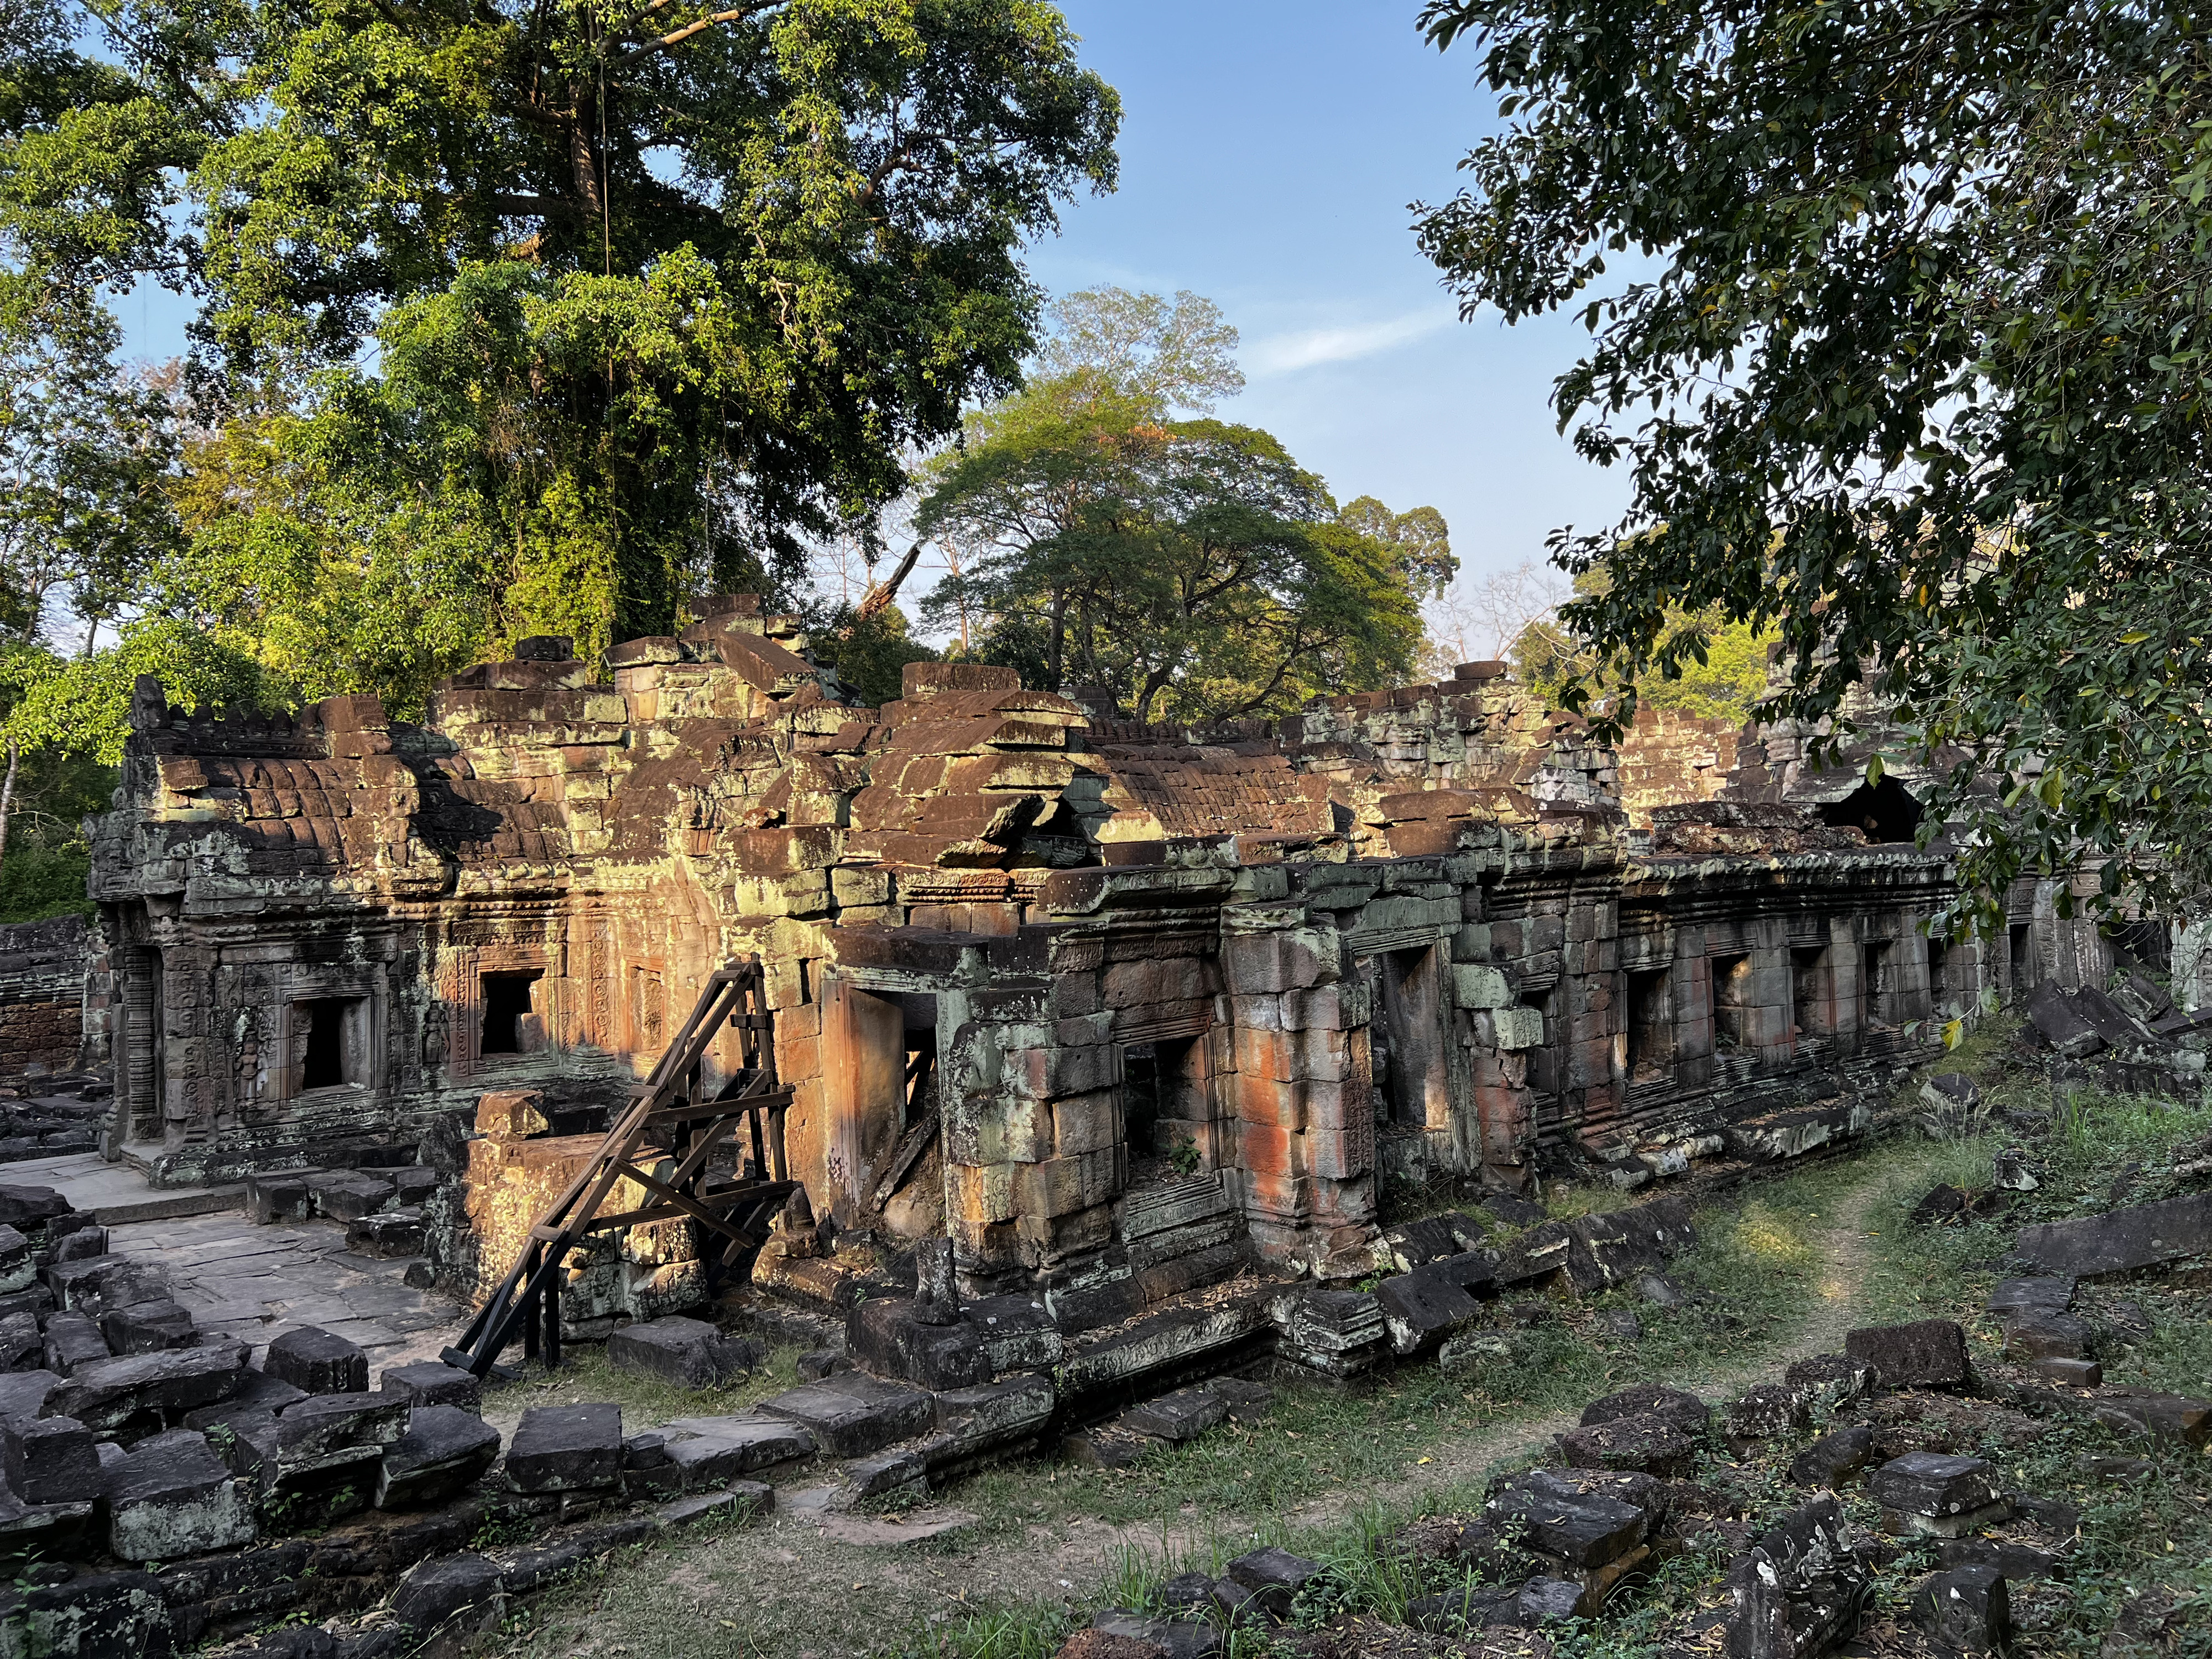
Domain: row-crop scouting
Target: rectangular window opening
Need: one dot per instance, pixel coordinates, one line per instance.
(1809, 990)
(2023, 958)
(327, 1059)
(506, 1005)
(1650, 1025)
(1731, 999)
(1874, 988)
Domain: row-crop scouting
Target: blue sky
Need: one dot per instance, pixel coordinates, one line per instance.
(1269, 148)
(1268, 152)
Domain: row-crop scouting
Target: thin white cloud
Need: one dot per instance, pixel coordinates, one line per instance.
(1286, 354)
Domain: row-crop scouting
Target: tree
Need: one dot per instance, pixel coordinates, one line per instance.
(1721, 673)
(1191, 568)
(1909, 366)
(657, 293)
(1481, 621)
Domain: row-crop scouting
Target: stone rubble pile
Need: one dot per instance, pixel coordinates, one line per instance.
(159, 1490)
(1884, 1442)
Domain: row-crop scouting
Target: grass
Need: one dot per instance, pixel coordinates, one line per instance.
(585, 1376)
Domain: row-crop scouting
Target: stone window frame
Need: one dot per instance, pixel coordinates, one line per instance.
(367, 1029)
(465, 1008)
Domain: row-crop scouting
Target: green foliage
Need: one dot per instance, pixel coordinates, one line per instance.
(512, 318)
(1190, 567)
(871, 651)
(37, 882)
(1719, 674)
(1911, 368)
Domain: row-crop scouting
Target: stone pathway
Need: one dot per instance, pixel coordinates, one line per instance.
(255, 1283)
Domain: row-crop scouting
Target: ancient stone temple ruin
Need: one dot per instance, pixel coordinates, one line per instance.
(1096, 999)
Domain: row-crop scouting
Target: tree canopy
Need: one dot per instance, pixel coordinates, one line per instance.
(508, 317)
(610, 305)
(1905, 355)
(1190, 568)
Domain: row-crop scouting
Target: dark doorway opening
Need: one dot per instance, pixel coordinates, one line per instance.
(2022, 941)
(323, 1060)
(1731, 1000)
(1883, 812)
(1650, 1025)
(506, 1003)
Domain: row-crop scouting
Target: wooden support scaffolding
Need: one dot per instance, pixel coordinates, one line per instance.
(665, 1142)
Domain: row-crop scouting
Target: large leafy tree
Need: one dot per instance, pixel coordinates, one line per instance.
(543, 315)
(1190, 567)
(1900, 323)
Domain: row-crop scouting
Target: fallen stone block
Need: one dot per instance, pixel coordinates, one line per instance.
(1408, 1246)
(1937, 1495)
(157, 1388)
(386, 1235)
(2070, 1373)
(1176, 1418)
(101, 1282)
(2013, 1560)
(1830, 1379)
(80, 1245)
(758, 1442)
(700, 1464)
(2033, 1333)
(1835, 1459)
(852, 1415)
(445, 1449)
(256, 1391)
(558, 1448)
(1685, 1411)
(1768, 1411)
(904, 1468)
(172, 1497)
(1425, 1305)
(1799, 1589)
(278, 1197)
(23, 1395)
(456, 1594)
(148, 1327)
(50, 1461)
(348, 1195)
(22, 1345)
(900, 1338)
(73, 1339)
(427, 1382)
(1179, 1638)
(98, 1616)
(1273, 1576)
(1558, 1513)
(316, 1361)
(2122, 1240)
(2161, 1416)
(688, 1353)
(33, 1534)
(821, 1363)
(1966, 1608)
(740, 1502)
(1930, 1353)
(30, 1207)
(2053, 1016)
(1106, 1446)
(1648, 1444)
(324, 1424)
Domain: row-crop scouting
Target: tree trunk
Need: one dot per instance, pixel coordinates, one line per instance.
(8, 792)
(1059, 641)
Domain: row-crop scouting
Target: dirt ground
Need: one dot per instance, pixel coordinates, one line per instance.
(810, 1585)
